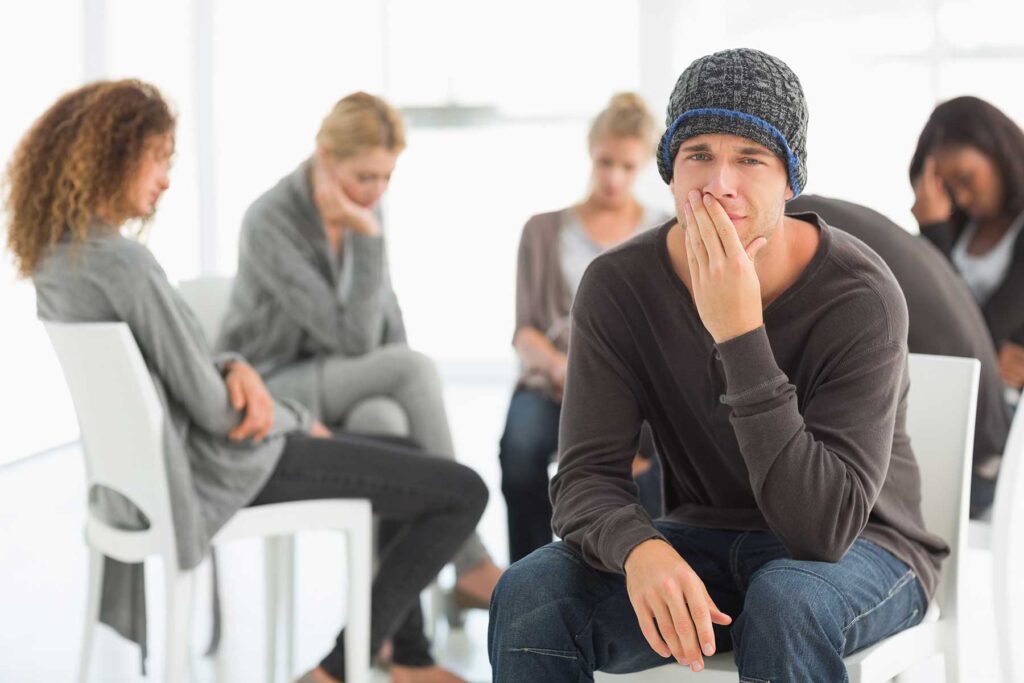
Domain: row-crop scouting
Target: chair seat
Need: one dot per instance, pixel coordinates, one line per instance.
(283, 519)
(880, 662)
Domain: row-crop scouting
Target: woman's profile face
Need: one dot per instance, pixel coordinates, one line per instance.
(615, 164)
(152, 178)
(364, 176)
(972, 179)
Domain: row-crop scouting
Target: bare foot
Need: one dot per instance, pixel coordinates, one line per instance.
(423, 674)
(478, 583)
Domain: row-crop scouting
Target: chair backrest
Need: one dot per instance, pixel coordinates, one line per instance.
(1008, 549)
(940, 421)
(208, 297)
(120, 418)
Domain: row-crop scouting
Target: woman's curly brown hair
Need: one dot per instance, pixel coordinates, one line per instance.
(78, 161)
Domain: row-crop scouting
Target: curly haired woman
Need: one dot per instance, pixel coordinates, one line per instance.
(98, 160)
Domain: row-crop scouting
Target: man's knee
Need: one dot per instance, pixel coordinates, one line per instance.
(537, 581)
(789, 599)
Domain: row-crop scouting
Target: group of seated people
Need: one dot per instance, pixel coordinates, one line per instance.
(706, 378)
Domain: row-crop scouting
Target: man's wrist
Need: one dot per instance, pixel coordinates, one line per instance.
(637, 551)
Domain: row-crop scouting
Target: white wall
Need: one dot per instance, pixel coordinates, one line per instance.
(872, 72)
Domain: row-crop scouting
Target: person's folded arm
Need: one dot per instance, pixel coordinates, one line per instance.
(596, 505)
(172, 342)
(816, 475)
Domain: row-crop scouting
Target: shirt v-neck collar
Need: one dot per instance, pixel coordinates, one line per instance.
(806, 276)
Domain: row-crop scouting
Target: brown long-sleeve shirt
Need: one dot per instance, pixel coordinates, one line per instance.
(797, 427)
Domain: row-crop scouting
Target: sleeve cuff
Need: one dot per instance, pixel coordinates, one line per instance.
(223, 361)
(290, 416)
(749, 364)
(629, 535)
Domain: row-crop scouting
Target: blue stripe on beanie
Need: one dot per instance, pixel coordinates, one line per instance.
(792, 162)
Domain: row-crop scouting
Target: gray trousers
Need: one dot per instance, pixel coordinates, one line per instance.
(392, 390)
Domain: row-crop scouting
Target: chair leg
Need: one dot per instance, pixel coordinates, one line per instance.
(92, 612)
(951, 653)
(178, 593)
(357, 628)
(271, 560)
(286, 593)
(1003, 604)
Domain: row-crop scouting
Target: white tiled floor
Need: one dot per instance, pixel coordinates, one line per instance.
(42, 582)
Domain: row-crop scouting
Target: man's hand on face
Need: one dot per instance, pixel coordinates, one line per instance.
(671, 603)
(724, 281)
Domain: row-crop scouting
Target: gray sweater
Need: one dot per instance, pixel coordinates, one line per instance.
(543, 297)
(290, 302)
(797, 427)
(110, 278)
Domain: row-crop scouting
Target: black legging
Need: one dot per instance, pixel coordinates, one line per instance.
(427, 506)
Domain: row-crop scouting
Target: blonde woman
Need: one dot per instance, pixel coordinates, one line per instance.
(313, 308)
(554, 250)
(97, 161)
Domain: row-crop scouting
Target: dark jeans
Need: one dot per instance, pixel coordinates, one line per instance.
(555, 618)
(428, 507)
(527, 448)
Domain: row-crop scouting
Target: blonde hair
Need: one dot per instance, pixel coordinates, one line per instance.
(361, 121)
(626, 116)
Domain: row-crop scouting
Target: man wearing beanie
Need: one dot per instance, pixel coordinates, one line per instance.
(769, 355)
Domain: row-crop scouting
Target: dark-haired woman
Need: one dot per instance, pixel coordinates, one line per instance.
(968, 178)
(97, 160)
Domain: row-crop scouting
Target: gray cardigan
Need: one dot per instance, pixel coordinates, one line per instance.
(543, 299)
(110, 278)
(289, 304)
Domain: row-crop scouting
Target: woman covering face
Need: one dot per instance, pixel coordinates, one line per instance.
(968, 179)
(313, 308)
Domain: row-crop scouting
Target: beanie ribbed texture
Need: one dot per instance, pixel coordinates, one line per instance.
(740, 92)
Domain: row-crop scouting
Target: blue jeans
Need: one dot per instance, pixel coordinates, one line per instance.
(528, 446)
(555, 618)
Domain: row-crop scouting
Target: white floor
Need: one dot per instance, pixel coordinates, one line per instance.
(42, 581)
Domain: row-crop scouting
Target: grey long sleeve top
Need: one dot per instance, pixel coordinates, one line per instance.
(289, 303)
(797, 427)
(110, 278)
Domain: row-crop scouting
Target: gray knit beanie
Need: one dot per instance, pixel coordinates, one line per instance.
(741, 92)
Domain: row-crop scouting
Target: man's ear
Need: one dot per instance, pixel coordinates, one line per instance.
(789, 192)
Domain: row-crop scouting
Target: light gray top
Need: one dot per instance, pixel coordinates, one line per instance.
(543, 293)
(577, 249)
(983, 273)
(110, 278)
(294, 301)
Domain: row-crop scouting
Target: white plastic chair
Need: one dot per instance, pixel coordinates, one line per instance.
(997, 534)
(121, 422)
(208, 298)
(940, 421)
